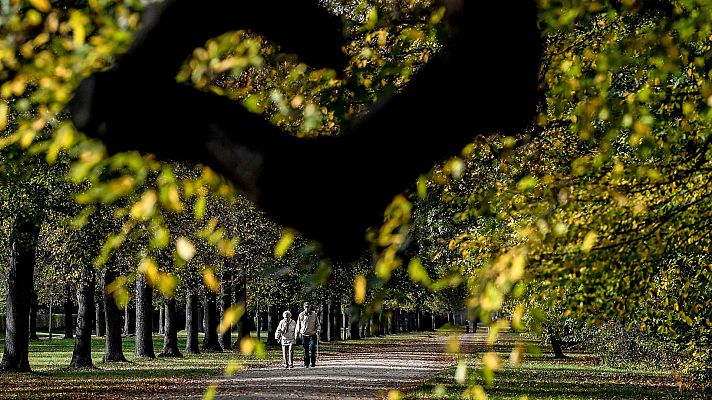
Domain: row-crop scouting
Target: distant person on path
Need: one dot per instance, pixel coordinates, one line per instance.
(308, 329)
(286, 334)
(467, 326)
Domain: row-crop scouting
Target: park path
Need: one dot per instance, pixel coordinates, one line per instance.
(366, 372)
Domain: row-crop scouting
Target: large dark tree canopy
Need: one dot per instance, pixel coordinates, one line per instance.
(330, 188)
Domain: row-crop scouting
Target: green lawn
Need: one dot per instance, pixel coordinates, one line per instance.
(539, 377)
(51, 378)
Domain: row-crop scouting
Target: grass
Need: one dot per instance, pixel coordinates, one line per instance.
(52, 379)
(542, 377)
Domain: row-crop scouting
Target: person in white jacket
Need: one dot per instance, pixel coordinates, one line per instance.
(286, 334)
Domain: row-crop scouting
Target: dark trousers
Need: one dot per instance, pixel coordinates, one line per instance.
(309, 343)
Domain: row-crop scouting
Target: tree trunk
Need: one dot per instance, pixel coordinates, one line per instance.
(354, 323)
(170, 338)
(191, 324)
(81, 357)
(210, 323)
(100, 318)
(243, 325)
(23, 243)
(113, 351)
(272, 322)
(129, 321)
(556, 346)
(225, 339)
(336, 321)
(33, 315)
(162, 320)
(394, 321)
(68, 315)
(144, 318)
(324, 322)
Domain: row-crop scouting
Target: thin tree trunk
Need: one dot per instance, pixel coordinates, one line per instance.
(225, 339)
(68, 315)
(336, 318)
(144, 318)
(129, 321)
(324, 322)
(272, 321)
(170, 338)
(100, 318)
(354, 324)
(113, 351)
(23, 243)
(162, 320)
(394, 321)
(191, 324)
(33, 315)
(81, 357)
(210, 323)
(243, 325)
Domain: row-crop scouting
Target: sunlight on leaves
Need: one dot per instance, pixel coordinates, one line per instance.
(589, 241)
(42, 5)
(417, 272)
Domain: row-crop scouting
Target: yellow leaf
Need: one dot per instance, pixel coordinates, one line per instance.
(284, 243)
(233, 367)
(42, 5)
(417, 272)
(167, 285)
(247, 345)
(185, 248)
(27, 137)
(453, 344)
(210, 392)
(491, 361)
(149, 268)
(230, 317)
(589, 241)
(394, 394)
(144, 208)
(517, 355)
(211, 281)
(461, 372)
(4, 112)
(360, 289)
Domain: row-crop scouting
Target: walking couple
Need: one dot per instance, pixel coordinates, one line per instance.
(306, 328)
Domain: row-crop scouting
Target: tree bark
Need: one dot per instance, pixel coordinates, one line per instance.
(33, 314)
(23, 243)
(113, 351)
(210, 323)
(324, 322)
(170, 338)
(68, 315)
(225, 339)
(336, 321)
(556, 346)
(394, 321)
(191, 324)
(129, 321)
(162, 320)
(100, 318)
(354, 324)
(243, 324)
(272, 322)
(81, 357)
(144, 318)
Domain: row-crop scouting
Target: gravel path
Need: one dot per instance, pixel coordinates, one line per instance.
(363, 373)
